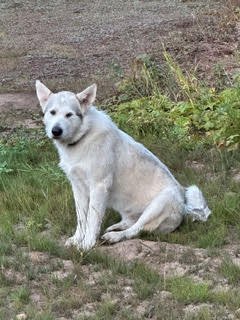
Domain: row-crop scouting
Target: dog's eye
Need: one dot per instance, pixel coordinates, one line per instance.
(79, 115)
(69, 114)
(53, 112)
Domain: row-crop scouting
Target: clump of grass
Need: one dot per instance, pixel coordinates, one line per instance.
(5, 246)
(146, 281)
(40, 243)
(229, 298)
(187, 291)
(146, 78)
(66, 304)
(20, 296)
(107, 310)
(231, 271)
(4, 281)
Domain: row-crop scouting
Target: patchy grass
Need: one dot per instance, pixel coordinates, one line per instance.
(231, 271)
(229, 298)
(37, 211)
(33, 208)
(185, 290)
(203, 314)
(20, 297)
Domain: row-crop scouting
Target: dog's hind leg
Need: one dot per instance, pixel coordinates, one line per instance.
(168, 203)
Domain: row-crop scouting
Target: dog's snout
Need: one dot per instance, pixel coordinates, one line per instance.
(57, 131)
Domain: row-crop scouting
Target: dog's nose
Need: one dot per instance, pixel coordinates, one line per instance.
(57, 131)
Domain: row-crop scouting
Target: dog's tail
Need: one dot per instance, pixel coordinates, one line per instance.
(195, 204)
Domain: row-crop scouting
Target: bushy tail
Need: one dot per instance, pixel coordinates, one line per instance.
(195, 204)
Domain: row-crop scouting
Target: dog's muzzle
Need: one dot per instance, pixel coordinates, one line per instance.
(57, 132)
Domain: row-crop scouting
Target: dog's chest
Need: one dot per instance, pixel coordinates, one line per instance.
(72, 162)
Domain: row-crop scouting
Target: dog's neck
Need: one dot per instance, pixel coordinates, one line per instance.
(77, 141)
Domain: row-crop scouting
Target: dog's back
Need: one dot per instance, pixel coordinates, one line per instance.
(139, 176)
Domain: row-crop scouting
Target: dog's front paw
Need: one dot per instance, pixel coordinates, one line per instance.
(81, 244)
(114, 236)
(72, 242)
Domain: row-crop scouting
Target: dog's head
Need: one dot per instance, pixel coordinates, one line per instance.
(64, 112)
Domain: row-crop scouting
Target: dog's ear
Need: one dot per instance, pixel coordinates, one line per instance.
(87, 97)
(43, 94)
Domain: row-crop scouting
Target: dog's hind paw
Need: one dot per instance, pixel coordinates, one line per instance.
(114, 236)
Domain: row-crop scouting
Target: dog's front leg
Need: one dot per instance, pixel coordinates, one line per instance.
(97, 206)
(81, 197)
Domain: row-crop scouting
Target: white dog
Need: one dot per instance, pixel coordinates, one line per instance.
(109, 169)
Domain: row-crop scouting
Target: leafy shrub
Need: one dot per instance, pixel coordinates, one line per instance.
(193, 111)
(143, 116)
(216, 115)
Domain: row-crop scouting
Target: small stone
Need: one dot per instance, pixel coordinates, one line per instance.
(165, 294)
(68, 265)
(60, 274)
(38, 257)
(236, 177)
(237, 312)
(21, 316)
(127, 291)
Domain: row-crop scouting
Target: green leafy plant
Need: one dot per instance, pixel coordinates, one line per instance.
(193, 111)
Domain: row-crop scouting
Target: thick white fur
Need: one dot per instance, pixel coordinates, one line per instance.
(109, 169)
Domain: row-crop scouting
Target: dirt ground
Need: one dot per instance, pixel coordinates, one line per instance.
(69, 44)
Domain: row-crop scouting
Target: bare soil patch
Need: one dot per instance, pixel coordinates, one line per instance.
(70, 44)
(171, 260)
(75, 291)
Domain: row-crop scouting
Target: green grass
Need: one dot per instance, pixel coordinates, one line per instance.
(203, 314)
(231, 271)
(20, 297)
(43, 199)
(185, 290)
(229, 298)
(146, 281)
(37, 210)
(106, 311)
